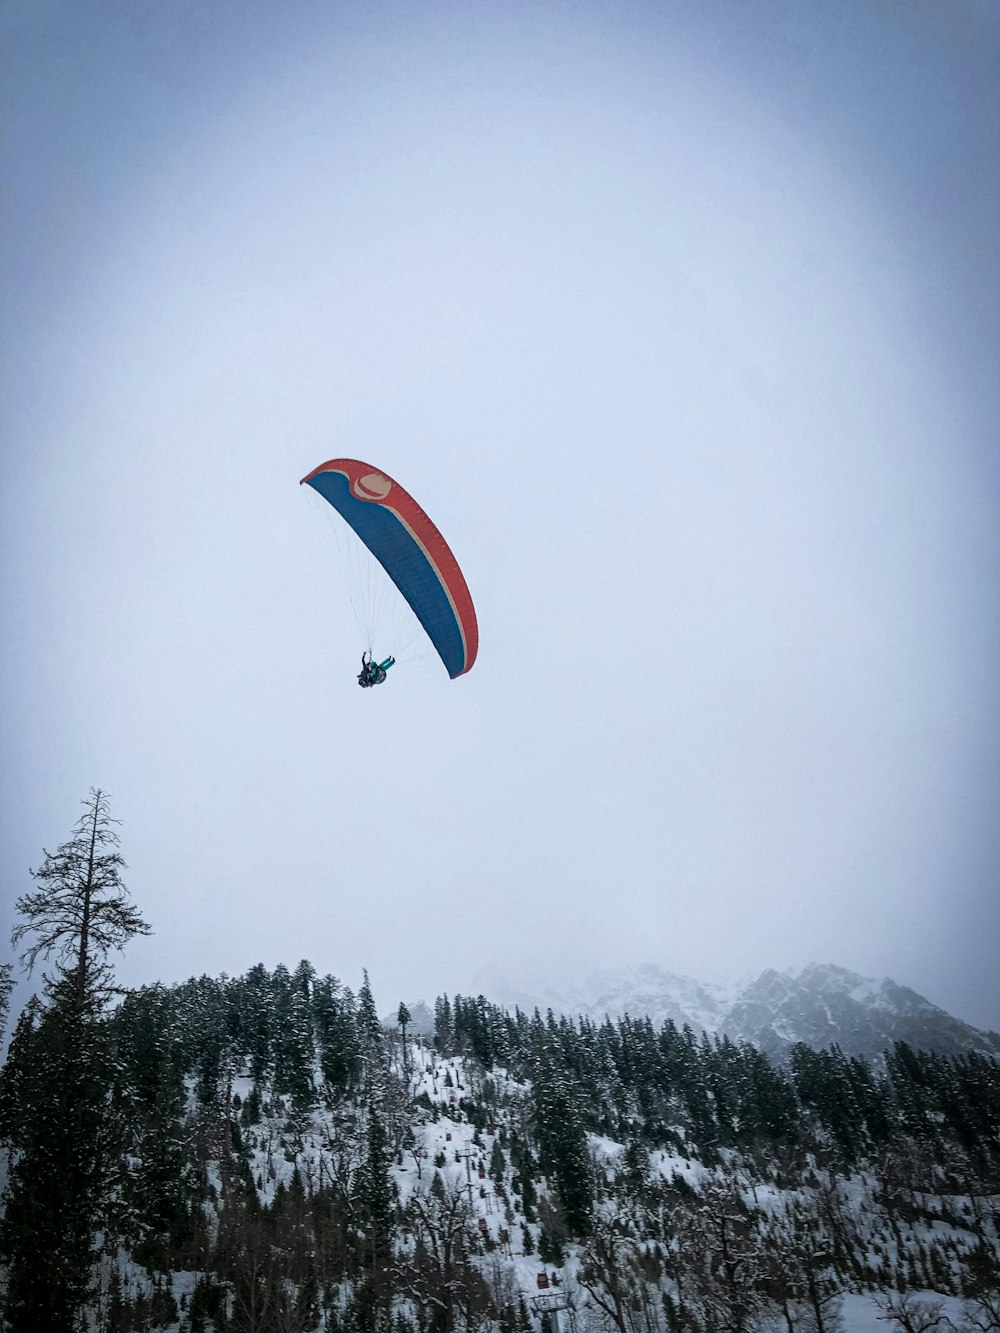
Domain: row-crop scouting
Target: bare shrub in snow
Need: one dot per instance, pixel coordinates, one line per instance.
(913, 1314)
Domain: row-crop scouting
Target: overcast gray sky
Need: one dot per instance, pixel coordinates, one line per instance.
(681, 321)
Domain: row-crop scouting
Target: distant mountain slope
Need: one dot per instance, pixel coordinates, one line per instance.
(421, 1022)
(821, 1005)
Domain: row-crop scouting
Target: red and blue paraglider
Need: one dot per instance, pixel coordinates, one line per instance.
(417, 559)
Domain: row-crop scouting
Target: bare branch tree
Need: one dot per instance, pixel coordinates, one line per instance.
(912, 1314)
(611, 1278)
(981, 1314)
(81, 910)
(439, 1275)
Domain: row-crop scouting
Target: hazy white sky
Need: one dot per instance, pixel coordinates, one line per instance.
(680, 319)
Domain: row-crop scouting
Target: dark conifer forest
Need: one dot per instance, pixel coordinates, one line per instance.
(260, 1154)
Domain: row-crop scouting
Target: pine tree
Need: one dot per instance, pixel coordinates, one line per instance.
(376, 1202)
(57, 1105)
(204, 1006)
(149, 1094)
(368, 1020)
(57, 1118)
(403, 1018)
(295, 1054)
(6, 986)
(498, 1163)
(444, 1032)
(82, 910)
(256, 1011)
(562, 1136)
(374, 1051)
(337, 1036)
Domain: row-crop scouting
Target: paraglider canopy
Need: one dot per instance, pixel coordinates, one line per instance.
(410, 549)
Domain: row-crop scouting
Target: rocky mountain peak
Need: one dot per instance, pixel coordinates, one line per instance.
(822, 1005)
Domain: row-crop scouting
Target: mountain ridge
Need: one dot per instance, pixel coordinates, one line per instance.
(821, 1005)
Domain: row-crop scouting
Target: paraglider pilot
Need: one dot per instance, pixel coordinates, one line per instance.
(372, 672)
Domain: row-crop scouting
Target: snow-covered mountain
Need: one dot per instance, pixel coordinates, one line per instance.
(421, 1022)
(821, 1005)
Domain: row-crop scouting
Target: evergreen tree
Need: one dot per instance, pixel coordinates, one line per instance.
(368, 1020)
(376, 1200)
(562, 1136)
(82, 910)
(444, 1032)
(403, 1018)
(523, 1180)
(295, 1052)
(149, 1095)
(498, 1163)
(374, 1053)
(57, 1181)
(57, 1085)
(18, 1071)
(337, 1035)
(203, 1004)
(6, 986)
(256, 1010)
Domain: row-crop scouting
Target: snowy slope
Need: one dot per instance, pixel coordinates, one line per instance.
(431, 1105)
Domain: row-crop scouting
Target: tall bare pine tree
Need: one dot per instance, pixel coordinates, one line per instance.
(54, 1104)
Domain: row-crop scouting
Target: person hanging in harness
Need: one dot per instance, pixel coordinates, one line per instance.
(372, 672)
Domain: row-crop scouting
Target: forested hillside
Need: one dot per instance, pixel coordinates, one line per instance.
(260, 1153)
